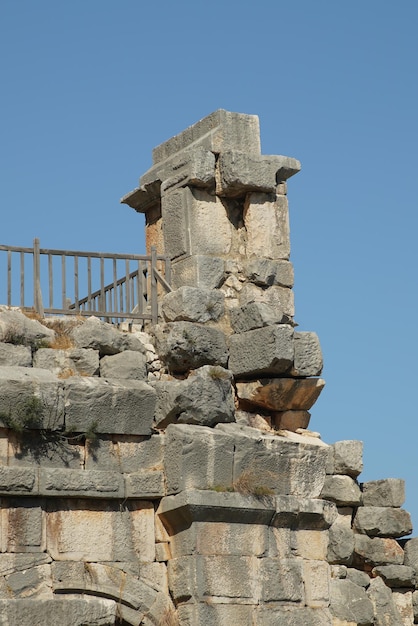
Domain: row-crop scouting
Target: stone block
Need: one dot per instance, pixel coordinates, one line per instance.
(268, 272)
(62, 611)
(191, 166)
(341, 538)
(64, 363)
(126, 365)
(30, 398)
(312, 545)
(308, 355)
(15, 355)
(85, 361)
(239, 172)
(342, 490)
(402, 598)
(346, 458)
(104, 337)
(197, 457)
(411, 552)
(266, 351)
(357, 577)
(266, 221)
(22, 526)
(193, 304)
(304, 514)
(377, 551)
(380, 521)
(81, 483)
(387, 492)
(255, 315)
(215, 614)
(18, 329)
(18, 480)
(280, 298)
(205, 272)
(145, 484)
(35, 581)
(273, 615)
(385, 610)
(17, 562)
(100, 531)
(36, 449)
(175, 215)
(396, 576)
(280, 394)
(280, 579)
(216, 132)
(206, 398)
(126, 454)
(291, 420)
(125, 407)
(349, 602)
(184, 346)
(316, 577)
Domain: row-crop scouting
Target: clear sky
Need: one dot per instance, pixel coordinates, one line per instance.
(89, 87)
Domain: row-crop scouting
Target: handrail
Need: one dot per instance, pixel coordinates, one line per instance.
(122, 291)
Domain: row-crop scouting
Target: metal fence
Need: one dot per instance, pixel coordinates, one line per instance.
(114, 287)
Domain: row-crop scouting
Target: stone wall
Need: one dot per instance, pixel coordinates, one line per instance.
(167, 475)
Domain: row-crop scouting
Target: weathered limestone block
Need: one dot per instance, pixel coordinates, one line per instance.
(34, 581)
(358, 577)
(281, 394)
(386, 613)
(255, 315)
(402, 599)
(377, 551)
(105, 338)
(64, 363)
(266, 221)
(291, 420)
(16, 328)
(197, 457)
(240, 172)
(380, 521)
(312, 545)
(341, 538)
(342, 490)
(304, 514)
(350, 602)
(281, 579)
(63, 611)
(273, 615)
(81, 483)
(281, 298)
(316, 578)
(18, 480)
(145, 484)
(205, 272)
(346, 458)
(22, 526)
(109, 406)
(184, 346)
(192, 166)
(15, 355)
(396, 575)
(125, 453)
(35, 449)
(193, 304)
(411, 552)
(215, 614)
(268, 272)
(268, 350)
(125, 365)
(204, 398)
(80, 530)
(277, 463)
(415, 604)
(17, 562)
(30, 397)
(387, 492)
(308, 355)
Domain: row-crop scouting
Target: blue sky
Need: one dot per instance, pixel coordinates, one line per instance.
(89, 87)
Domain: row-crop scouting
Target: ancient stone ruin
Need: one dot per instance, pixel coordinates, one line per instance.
(165, 474)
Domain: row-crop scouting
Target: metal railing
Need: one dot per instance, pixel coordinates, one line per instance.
(115, 287)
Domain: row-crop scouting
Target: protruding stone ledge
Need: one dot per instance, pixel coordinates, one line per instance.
(281, 394)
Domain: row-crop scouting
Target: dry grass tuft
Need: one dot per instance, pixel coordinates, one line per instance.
(249, 483)
(169, 617)
(67, 373)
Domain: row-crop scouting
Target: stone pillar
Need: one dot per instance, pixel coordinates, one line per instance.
(218, 208)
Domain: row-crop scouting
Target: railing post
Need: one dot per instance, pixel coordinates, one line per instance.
(37, 294)
(154, 288)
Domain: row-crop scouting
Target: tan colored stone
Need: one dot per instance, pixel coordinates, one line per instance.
(316, 577)
(281, 394)
(291, 420)
(312, 544)
(403, 602)
(267, 222)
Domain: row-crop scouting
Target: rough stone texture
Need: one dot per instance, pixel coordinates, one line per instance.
(204, 398)
(268, 272)
(64, 363)
(411, 552)
(105, 338)
(342, 490)
(193, 304)
(273, 242)
(349, 602)
(346, 458)
(205, 272)
(377, 551)
(377, 521)
(125, 365)
(278, 297)
(184, 346)
(215, 614)
(341, 538)
(64, 611)
(255, 315)
(308, 355)
(281, 394)
(396, 575)
(386, 613)
(291, 420)
(16, 328)
(87, 483)
(387, 492)
(109, 406)
(268, 350)
(15, 355)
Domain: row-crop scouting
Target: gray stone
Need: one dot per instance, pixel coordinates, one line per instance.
(105, 338)
(193, 304)
(358, 577)
(380, 521)
(281, 580)
(18, 480)
(377, 551)
(411, 552)
(191, 166)
(18, 562)
(145, 484)
(273, 615)
(36, 580)
(30, 398)
(346, 458)
(125, 407)
(18, 329)
(272, 241)
(415, 604)
(281, 394)
(85, 360)
(215, 614)
(205, 272)
(204, 398)
(197, 457)
(349, 602)
(65, 363)
(342, 490)
(81, 483)
(15, 355)
(126, 454)
(126, 365)
(268, 272)
(387, 492)
(396, 575)
(63, 611)
(268, 350)
(241, 172)
(281, 298)
(304, 513)
(308, 355)
(184, 346)
(23, 526)
(386, 613)
(255, 315)
(341, 539)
